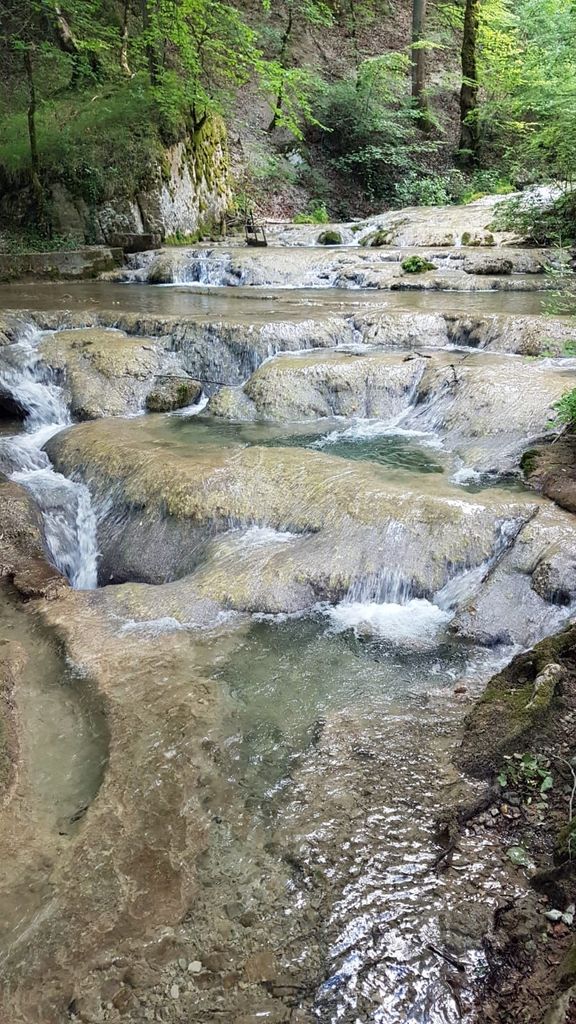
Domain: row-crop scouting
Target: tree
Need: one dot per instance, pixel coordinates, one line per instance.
(469, 122)
(419, 57)
(298, 13)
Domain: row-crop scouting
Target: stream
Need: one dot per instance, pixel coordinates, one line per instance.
(284, 597)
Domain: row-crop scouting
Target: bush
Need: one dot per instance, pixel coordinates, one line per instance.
(416, 265)
(316, 214)
(566, 408)
(552, 224)
(428, 190)
(98, 149)
(369, 126)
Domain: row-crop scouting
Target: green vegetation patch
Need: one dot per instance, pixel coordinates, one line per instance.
(416, 265)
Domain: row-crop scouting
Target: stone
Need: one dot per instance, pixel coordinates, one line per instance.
(490, 264)
(63, 265)
(172, 393)
(133, 241)
(195, 967)
(174, 992)
(330, 237)
(260, 967)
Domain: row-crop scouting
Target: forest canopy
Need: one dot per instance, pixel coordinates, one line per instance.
(91, 91)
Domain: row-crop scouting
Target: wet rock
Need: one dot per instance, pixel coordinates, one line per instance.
(106, 372)
(310, 387)
(172, 393)
(22, 557)
(517, 700)
(555, 579)
(491, 264)
(330, 237)
(261, 967)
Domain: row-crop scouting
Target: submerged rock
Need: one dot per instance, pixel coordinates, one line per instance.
(22, 556)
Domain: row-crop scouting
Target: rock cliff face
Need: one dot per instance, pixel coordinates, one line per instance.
(188, 193)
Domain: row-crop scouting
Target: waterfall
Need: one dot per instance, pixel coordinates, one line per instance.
(68, 519)
(205, 268)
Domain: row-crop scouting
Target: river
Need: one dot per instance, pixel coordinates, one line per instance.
(284, 598)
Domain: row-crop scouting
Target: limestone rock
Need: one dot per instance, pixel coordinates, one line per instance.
(491, 264)
(172, 393)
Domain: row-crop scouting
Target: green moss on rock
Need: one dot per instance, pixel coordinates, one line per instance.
(330, 237)
(416, 265)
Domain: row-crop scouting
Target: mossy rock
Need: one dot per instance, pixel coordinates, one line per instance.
(516, 704)
(528, 461)
(376, 239)
(173, 393)
(330, 237)
(416, 265)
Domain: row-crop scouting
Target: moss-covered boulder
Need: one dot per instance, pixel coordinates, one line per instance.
(516, 702)
(330, 237)
(173, 393)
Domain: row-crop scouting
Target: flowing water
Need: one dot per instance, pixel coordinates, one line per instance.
(333, 748)
(69, 522)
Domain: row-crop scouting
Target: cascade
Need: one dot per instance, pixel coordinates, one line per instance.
(69, 521)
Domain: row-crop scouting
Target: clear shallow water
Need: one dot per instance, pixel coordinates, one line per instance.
(341, 723)
(342, 745)
(368, 442)
(64, 748)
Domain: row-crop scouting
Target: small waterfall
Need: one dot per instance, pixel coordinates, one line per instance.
(69, 522)
(206, 268)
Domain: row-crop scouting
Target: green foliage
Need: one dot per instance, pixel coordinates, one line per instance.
(316, 214)
(417, 189)
(416, 265)
(528, 72)
(486, 183)
(98, 149)
(529, 773)
(369, 126)
(539, 223)
(566, 408)
(31, 241)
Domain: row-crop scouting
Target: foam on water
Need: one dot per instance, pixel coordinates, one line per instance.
(418, 621)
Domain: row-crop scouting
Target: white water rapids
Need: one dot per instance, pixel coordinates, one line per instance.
(68, 519)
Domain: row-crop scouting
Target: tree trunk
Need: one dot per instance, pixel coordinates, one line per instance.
(469, 127)
(419, 56)
(281, 59)
(151, 55)
(37, 189)
(124, 42)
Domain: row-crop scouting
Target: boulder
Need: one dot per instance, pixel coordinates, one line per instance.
(172, 393)
(132, 241)
(489, 265)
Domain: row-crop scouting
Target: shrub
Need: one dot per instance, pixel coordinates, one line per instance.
(316, 214)
(368, 125)
(416, 265)
(550, 224)
(566, 408)
(428, 190)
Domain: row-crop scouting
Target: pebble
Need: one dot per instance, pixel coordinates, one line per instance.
(182, 963)
(195, 967)
(174, 992)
